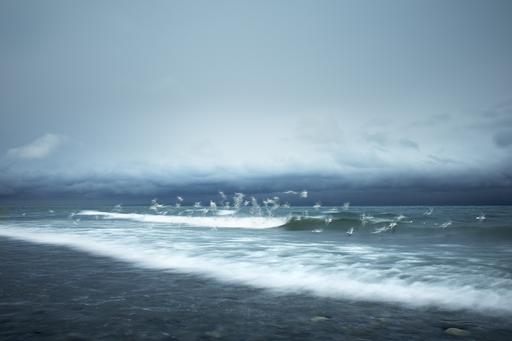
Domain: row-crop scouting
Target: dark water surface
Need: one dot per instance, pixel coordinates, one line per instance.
(50, 292)
(255, 273)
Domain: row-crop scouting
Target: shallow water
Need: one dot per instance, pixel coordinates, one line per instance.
(399, 260)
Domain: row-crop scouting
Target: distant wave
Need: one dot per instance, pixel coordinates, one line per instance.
(292, 277)
(213, 222)
(421, 227)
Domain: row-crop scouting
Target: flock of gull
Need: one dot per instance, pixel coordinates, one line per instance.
(223, 207)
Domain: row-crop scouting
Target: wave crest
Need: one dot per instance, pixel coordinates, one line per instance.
(212, 222)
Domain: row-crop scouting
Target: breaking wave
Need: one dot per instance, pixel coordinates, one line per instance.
(195, 221)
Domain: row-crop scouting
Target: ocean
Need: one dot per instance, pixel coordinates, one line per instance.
(79, 270)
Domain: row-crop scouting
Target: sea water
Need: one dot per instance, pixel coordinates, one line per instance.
(446, 260)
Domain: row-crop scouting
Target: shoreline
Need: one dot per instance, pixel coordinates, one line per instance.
(52, 292)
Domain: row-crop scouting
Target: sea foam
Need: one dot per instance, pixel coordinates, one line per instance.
(212, 222)
(286, 276)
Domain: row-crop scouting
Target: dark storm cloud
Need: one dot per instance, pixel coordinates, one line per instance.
(467, 188)
(105, 98)
(503, 138)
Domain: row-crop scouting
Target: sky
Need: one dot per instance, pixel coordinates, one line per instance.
(374, 102)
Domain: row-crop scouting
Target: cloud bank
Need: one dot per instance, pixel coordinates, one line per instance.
(357, 101)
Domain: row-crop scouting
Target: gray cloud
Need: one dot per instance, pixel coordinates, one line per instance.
(409, 144)
(380, 139)
(443, 160)
(196, 94)
(457, 188)
(503, 138)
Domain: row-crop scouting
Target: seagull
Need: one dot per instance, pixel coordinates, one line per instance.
(350, 231)
(380, 229)
(317, 206)
(429, 211)
(213, 205)
(222, 195)
(392, 226)
(481, 217)
(366, 218)
(155, 205)
(446, 224)
(328, 220)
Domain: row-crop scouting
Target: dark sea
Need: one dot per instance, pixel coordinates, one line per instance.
(83, 271)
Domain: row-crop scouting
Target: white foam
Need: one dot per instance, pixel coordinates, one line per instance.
(352, 282)
(217, 222)
(225, 212)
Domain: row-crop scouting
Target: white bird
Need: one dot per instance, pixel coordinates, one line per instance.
(350, 231)
(392, 226)
(328, 220)
(429, 211)
(380, 229)
(268, 201)
(366, 218)
(213, 205)
(303, 194)
(317, 206)
(481, 217)
(222, 195)
(155, 205)
(446, 224)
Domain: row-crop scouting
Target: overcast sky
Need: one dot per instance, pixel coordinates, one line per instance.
(150, 97)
